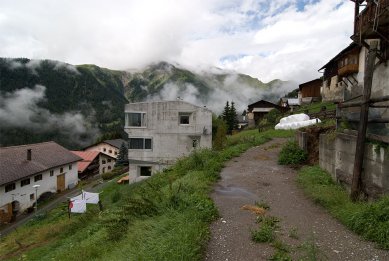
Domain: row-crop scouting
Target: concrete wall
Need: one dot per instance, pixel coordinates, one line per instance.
(48, 183)
(336, 155)
(170, 139)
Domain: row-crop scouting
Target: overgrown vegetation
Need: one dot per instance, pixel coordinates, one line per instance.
(165, 217)
(292, 154)
(114, 173)
(270, 120)
(370, 220)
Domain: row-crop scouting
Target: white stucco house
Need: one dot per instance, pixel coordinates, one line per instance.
(108, 147)
(159, 132)
(48, 165)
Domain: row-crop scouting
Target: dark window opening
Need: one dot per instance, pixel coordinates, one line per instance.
(10, 187)
(140, 144)
(184, 119)
(145, 171)
(32, 196)
(136, 119)
(24, 182)
(38, 177)
(195, 143)
(60, 170)
(51, 173)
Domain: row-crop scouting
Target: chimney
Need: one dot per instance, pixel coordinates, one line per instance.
(29, 154)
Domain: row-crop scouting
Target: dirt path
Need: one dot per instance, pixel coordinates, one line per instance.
(255, 176)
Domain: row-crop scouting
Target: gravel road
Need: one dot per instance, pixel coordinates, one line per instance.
(255, 176)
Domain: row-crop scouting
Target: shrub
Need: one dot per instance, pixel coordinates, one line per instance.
(292, 154)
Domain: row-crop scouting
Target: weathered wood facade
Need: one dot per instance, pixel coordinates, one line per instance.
(311, 88)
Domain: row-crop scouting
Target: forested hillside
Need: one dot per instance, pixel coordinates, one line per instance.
(42, 100)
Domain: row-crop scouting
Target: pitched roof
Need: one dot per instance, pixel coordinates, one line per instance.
(87, 158)
(117, 143)
(14, 164)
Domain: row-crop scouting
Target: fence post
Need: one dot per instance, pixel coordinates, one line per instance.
(360, 148)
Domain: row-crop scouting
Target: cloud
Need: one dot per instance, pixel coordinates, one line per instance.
(21, 109)
(286, 39)
(230, 89)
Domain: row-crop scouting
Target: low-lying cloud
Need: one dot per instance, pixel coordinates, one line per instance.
(20, 109)
(231, 89)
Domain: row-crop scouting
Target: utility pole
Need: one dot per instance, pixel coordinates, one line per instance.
(356, 184)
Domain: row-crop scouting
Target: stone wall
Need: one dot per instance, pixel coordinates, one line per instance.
(336, 155)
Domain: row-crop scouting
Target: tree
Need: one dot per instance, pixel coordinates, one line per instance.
(122, 159)
(220, 137)
(226, 112)
(233, 117)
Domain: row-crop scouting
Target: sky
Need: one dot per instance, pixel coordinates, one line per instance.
(279, 39)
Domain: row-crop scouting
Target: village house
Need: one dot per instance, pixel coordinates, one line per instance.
(289, 103)
(108, 147)
(160, 132)
(344, 81)
(93, 163)
(28, 171)
(310, 91)
(256, 111)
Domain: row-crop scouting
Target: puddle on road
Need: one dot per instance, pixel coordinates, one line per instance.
(232, 191)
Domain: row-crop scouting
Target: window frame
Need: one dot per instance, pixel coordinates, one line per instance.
(143, 143)
(23, 182)
(184, 114)
(143, 119)
(38, 177)
(13, 187)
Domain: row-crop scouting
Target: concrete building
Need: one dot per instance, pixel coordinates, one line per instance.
(162, 131)
(47, 164)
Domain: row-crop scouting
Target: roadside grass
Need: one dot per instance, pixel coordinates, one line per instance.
(316, 107)
(368, 219)
(165, 217)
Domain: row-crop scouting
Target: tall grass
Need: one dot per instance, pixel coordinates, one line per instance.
(370, 220)
(165, 217)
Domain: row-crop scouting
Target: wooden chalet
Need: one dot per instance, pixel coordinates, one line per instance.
(372, 23)
(256, 111)
(310, 91)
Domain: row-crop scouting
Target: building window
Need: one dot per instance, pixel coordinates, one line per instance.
(104, 149)
(110, 151)
(136, 119)
(60, 170)
(103, 162)
(184, 118)
(70, 167)
(109, 160)
(32, 196)
(10, 187)
(104, 170)
(25, 182)
(38, 177)
(109, 167)
(51, 173)
(145, 171)
(195, 143)
(116, 153)
(140, 144)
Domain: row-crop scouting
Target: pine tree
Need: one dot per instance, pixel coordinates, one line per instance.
(233, 117)
(122, 158)
(226, 112)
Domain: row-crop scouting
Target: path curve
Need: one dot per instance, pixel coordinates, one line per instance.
(256, 176)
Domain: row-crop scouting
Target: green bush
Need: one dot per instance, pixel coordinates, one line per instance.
(115, 172)
(292, 154)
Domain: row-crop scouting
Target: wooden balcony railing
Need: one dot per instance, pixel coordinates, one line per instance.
(348, 69)
(365, 20)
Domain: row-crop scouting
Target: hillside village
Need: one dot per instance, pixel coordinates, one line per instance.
(194, 184)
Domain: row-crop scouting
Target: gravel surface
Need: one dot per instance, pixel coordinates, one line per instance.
(255, 176)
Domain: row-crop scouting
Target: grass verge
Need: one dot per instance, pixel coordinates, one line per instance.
(370, 220)
(165, 217)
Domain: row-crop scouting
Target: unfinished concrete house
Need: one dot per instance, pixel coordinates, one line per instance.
(159, 132)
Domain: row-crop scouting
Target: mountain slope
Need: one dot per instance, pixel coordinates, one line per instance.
(44, 100)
